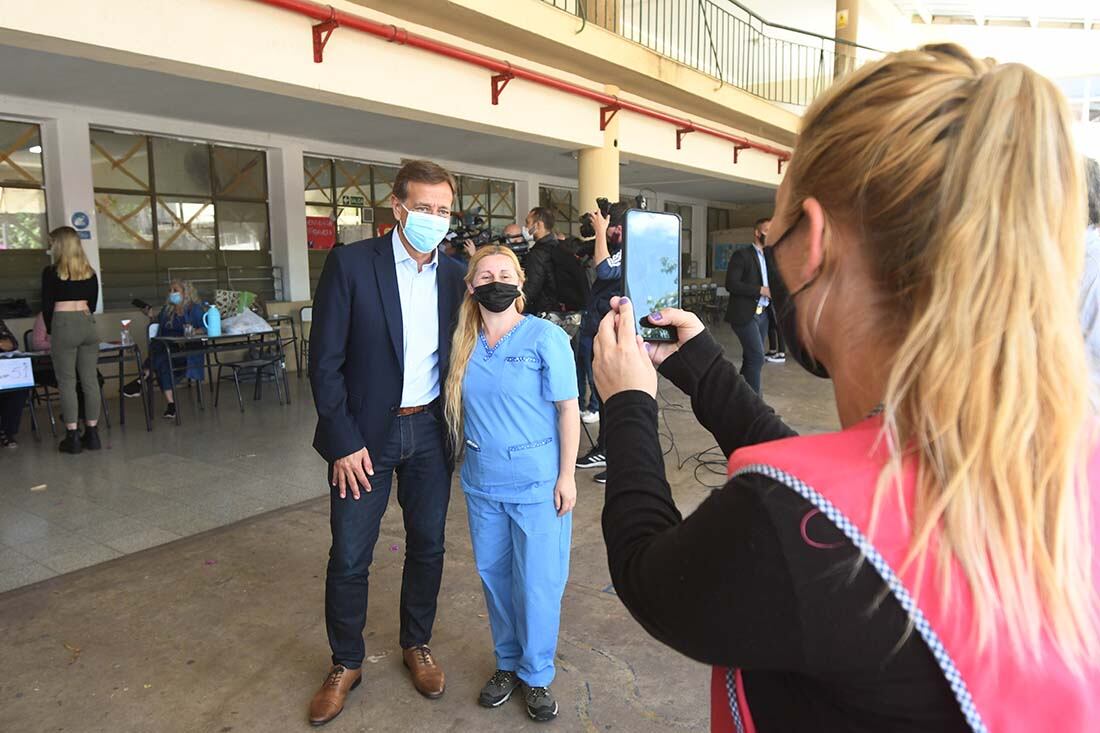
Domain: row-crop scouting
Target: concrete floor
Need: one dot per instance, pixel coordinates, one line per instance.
(223, 630)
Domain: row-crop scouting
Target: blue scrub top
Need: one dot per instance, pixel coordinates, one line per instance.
(511, 423)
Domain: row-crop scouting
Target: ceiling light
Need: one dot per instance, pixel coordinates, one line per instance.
(36, 149)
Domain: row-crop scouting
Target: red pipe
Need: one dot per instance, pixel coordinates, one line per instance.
(394, 34)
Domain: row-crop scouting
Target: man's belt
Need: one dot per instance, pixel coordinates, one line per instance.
(406, 411)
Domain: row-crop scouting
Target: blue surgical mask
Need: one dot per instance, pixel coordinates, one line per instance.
(175, 298)
(424, 231)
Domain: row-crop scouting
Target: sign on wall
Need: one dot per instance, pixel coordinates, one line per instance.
(320, 232)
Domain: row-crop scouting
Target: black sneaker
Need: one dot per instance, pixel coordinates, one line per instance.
(594, 458)
(7, 441)
(498, 689)
(601, 477)
(541, 705)
(132, 389)
(170, 411)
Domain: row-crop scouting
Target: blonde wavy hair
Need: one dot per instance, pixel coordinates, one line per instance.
(69, 258)
(190, 294)
(961, 179)
(465, 338)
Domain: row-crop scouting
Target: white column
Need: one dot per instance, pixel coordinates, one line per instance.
(699, 238)
(70, 198)
(527, 197)
(288, 219)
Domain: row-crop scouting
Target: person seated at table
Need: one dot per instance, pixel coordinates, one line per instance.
(11, 400)
(181, 309)
(43, 370)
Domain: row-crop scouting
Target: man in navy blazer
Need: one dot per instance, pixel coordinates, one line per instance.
(383, 317)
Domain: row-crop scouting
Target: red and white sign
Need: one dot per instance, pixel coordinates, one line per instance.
(320, 232)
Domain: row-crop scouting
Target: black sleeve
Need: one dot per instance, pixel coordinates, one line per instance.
(735, 277)
(49, 297)
(537, 270)
(328, 343)
(713, 586)
(723, 401)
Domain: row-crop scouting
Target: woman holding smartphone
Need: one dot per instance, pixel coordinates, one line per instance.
(511, 400)
(181, 309)
(70, 292)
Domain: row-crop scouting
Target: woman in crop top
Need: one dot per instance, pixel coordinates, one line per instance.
(70, 292)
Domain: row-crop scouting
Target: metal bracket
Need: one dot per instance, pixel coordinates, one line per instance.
(321, 33)
(737, 149)
(680, 135)
(779, 167)
(606, 113)
(499, 82)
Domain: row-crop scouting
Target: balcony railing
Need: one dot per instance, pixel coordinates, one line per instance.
(729, 42)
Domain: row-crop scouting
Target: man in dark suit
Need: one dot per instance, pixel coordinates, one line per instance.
(383, 317)
(747, 282)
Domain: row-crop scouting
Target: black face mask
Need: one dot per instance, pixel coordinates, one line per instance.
(496, 297)
(785, 312)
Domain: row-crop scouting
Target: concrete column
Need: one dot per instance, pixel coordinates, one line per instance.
(70, 196)
(527, 197)
(598, 168)
(847, 15)
(287, 185)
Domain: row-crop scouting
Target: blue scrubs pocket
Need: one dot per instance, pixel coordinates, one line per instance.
(535, 462)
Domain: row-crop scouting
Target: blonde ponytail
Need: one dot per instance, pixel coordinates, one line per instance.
(962, 180)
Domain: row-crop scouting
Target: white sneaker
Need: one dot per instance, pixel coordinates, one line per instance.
(590, 416)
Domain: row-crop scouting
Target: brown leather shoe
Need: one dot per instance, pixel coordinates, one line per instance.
(427, 675)
(329, 700)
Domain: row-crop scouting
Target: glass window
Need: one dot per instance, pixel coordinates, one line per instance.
(239, 173)
(20, 154)
(185, 224)
(22, 218)
(195, 199)
(318, 172)
(562, 201)
(352, 181)
(181, 167)
(242, 226)
(685, 224)
(120, 161)
(383, 185)
(124, 221)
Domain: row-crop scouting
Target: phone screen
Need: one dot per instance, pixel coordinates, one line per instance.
(651, 263)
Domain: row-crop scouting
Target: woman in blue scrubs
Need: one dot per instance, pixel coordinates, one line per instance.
(511, 401)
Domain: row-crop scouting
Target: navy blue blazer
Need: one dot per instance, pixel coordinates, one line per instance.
(356, 354)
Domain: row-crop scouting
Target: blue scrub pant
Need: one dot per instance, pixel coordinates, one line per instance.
(522, 555)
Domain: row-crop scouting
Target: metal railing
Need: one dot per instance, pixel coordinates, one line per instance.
(729, 42)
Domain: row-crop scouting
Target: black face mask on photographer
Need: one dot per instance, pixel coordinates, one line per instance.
(496, 297)
(786, 315)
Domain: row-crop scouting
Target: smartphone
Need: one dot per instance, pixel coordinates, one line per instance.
(139, 304)
(651, 267)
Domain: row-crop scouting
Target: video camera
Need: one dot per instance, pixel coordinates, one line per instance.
(472, 226)
(587, 229)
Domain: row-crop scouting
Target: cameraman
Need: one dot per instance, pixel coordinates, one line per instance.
(608, 261)
(541, 289)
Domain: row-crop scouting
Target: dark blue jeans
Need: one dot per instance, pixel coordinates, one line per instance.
(753, 335)
(414, 452)
(585, 379)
